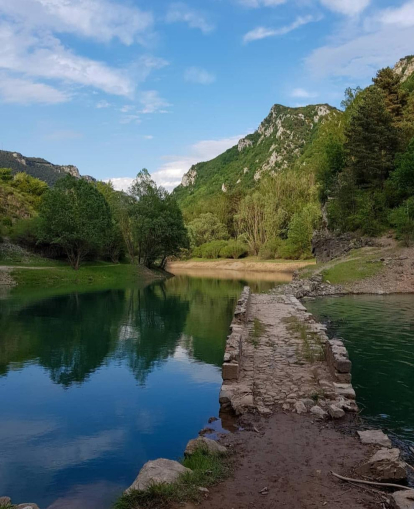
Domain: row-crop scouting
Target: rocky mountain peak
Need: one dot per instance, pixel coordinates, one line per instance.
(405, 67)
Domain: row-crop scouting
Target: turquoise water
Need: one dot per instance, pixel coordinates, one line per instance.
(379, 334)
(93, 385)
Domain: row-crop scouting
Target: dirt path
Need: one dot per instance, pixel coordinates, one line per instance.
(292, 456)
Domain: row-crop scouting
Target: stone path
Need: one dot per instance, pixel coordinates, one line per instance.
(283, 363)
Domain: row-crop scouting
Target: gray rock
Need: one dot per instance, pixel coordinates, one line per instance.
(403, 499)
(300, 407)
(318, 412)
(335, 412)
(161, 471)
(374, 436)
(27, 506)
(345, 390)
(205, 444)
(384, 466)
(4, 501)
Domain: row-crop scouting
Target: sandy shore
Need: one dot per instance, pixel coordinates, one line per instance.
(248, 265)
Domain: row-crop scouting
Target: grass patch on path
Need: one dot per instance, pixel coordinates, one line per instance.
(258, 330)
(208, 469)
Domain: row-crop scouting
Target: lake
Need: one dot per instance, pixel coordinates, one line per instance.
(378, 332)
(94, 384)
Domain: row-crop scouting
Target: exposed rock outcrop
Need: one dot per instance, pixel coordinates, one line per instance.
(405, 67)
(384, 466)
(205, 444)
(160, 471)
(326, 245)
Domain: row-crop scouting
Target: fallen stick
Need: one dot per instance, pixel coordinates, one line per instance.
(386, 484)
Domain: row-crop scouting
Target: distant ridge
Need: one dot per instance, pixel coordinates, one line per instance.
(38, 167)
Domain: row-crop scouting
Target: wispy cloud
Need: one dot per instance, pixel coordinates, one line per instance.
(263, 32)
(152, 102)
(360, 56)
(180, 12)
(261, 3)
(347, 7)
(302, 93)
(97, 19)
(199, 75)
(23, 91)
(148, 137)
(102, 104)
(63, 135)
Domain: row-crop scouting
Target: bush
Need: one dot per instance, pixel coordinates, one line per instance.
(270, 250)
(25, 233)
(210, 250)
(301, 227)
(402, 219)
(234, 249)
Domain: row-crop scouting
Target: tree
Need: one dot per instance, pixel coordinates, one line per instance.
(75, 216)
(371, 141)
(403, 176)
(5, 175)
(158, 225)
(395, 97)
(251, 221)
(205, 228)
(350, 96)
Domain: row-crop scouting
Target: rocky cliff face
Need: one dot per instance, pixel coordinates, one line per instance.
(37, 167)
(405, 67)
(277, 144)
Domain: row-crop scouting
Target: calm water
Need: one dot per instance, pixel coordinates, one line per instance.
(92, 385)
(379, 334)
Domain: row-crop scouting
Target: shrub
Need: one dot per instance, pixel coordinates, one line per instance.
(25, 232)
(270, 250)
(210, 250)
(402, 218)
(301, 227)
(234, 249)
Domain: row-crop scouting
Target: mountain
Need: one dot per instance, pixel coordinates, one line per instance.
(277, 144)
(38, 167)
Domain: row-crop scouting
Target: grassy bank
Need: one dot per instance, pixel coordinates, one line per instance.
(207, 470)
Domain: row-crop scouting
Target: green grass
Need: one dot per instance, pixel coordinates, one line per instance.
(208, 469)
(312, 348)
(101, 274)
(258, 330)
(351, 270)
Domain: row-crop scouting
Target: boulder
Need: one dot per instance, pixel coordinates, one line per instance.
(375, 437)
(384, 466)
(335, 412)
(403, 499)
(5, 501)
(205, 444)
(318, 412)
(159, 471)
(27, 506)
(300, 407)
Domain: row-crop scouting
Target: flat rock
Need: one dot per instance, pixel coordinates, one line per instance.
(300, 407)
(403, 499)
(384, 466)
(374, 436)
(335, 412)
(4, 501)
(205, 444)
(27, 506)
(318, 412)
(161, 471)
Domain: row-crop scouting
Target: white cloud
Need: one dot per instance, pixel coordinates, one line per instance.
(22, 91)
(43, 56)
(102, 104)
(131, 118)
(199, 75)
(148, 137)
(152, 102)
(97, 19)
(170, 173)
(180, 12)
(302, 93)
(388, 37)
(263, 32)
(348, 7)
(401, 16)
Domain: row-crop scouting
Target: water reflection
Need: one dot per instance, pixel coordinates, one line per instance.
(93, 385)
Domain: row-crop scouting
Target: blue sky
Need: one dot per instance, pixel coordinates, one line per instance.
(113, 86)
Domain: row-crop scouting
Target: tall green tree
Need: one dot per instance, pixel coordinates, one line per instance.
(371, 141)
(75, 216)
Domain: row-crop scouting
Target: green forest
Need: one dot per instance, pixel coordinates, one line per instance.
(350, 170)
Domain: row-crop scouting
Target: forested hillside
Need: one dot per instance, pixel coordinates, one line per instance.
(36, 167)
(350, 170)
